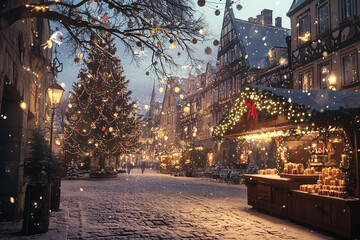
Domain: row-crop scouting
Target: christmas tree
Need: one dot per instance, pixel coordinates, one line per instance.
(72, 171)
(101, 115)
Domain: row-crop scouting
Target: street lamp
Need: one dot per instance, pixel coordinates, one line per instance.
(55, 93)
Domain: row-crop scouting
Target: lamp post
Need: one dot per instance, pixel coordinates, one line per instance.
(55, 93)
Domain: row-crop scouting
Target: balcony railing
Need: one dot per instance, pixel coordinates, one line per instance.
(344, 35)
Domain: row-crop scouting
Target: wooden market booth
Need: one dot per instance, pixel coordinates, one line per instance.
(322, 127)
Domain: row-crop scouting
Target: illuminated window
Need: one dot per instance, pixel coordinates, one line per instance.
(306, 80)
(347, 7)
(304, 29)
(324, 76)
(323, 18)
(349, 65)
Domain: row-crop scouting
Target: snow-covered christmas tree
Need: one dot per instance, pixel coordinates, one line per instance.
(72, 171)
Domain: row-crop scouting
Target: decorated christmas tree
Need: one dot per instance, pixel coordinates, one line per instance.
(101, 115)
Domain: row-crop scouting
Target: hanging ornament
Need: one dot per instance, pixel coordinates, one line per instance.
(93, 125)
(194, 41)
(105, 18)
(147, 73)
(202, 31)
(208, 50)
(216, 42)
(138, 43)
(155, 23)
(179, 53)
(74, 117)
(171, 41)
(79, 55)
(201, 3)
(130, 24)
(239, 7)
(217, 12)
(103, 128)
(147, 15)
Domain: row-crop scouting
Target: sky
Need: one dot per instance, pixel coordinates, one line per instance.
(141, 85)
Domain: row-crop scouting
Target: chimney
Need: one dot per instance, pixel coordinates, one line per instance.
(278, 22)
(266, 17)
(258, 18)
(251, 19)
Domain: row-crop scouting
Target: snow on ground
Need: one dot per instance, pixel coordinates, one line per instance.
(157, 206)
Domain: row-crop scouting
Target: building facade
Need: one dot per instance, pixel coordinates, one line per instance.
(196, 121)
(243, 54)
(173, 101)
(24, 78)
(149, 126)
(325, 43)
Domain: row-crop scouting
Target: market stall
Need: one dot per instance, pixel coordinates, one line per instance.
(316, 179)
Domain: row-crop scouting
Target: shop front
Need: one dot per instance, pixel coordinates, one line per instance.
(315, 178)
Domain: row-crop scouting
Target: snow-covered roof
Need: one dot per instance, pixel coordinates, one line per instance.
(258, 39)
(296, 5)
(319, 100)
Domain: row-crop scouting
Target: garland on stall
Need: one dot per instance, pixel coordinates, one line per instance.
(282, 150)
(263, 101)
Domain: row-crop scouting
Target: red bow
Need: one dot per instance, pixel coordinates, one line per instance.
(252, 111)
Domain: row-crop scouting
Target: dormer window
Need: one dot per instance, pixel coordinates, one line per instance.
(347, 9)
(304, 29)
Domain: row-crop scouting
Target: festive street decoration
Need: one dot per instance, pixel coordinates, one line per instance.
(252, 111)
(101, 116)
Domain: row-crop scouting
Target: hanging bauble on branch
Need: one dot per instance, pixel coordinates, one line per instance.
(130, 24)
(208, 50)
(239, 7)
(194, 41)
(216, 42)
(201, 3)
(147, 15)
(217, 12)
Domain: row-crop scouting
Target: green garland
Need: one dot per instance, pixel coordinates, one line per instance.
(280, 150)
(350, 170)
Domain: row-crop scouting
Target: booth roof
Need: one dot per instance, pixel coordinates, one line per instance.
(319, 100)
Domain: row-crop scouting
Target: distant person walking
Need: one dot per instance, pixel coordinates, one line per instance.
(128, 167)
(143, 166)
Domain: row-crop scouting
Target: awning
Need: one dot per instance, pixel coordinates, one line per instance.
(259, 108)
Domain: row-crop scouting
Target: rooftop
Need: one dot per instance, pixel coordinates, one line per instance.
(258, 39)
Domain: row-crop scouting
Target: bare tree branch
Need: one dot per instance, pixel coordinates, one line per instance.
(139, 25)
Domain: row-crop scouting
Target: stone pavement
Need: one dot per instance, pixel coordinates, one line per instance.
(156, 206)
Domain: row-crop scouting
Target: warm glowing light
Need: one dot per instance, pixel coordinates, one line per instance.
(186, 109)
(182, 96)
(146, 107)
(177, 89)
(23, 105)
(161, 89)
(282, 61)
(173, 46)
(202, 31)
(265, 135)
(332, 79)
(305, 37)
(12, 200)
(166, 138)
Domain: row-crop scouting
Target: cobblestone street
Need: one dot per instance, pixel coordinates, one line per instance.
(156, 206)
